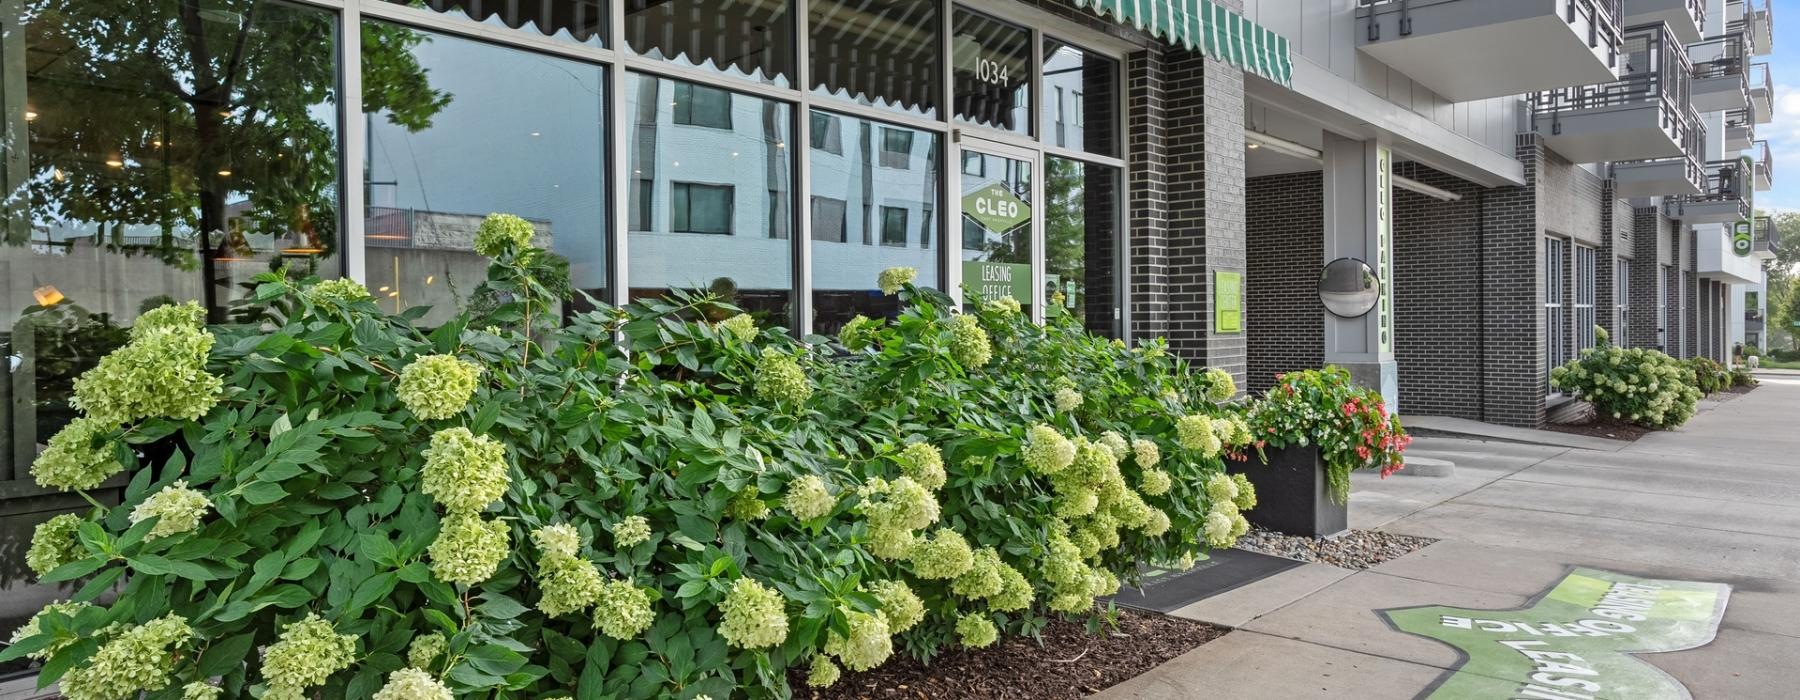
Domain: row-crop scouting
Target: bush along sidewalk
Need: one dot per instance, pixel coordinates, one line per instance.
(660, 500)
(1639, 385)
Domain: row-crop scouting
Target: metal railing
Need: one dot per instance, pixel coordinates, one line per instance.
(1764, 234)
(1602, 18)
(1726, 56)
(1659, 72)
(1725, 184)
(1758, 75)
(1693, 144)
(1764, 157)
(1740, 119)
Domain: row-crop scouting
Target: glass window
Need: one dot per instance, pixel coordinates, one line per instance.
(991, 63)
(884, 54)
(826, 136)
(880, 203)
(729, 195)
(458, 147)
(830, 219)
(1081, 244)
(698, 105)
(996, 220)
(581, 21)
(751, 39)
(896, 148)
(1080, 90)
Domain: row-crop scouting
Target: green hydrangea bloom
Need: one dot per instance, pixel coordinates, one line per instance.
(1221, 487)
(983, 579)
(808, 498)
(54, 543)
(1047, 451)
(413, 684)
(339, 293)
(189, 316)
(1246, 492)
(425, 650)
(137, 660)
(747, 505)
(754, 616)
(468, 549)
(903, 504)
(902, 607)
(969, 344)
(1067, 400)
(465, 472)
(868, 645)
(1075, 502)
(1218, 526)
(741, 326)
(561, 540)
(307, 653)
(569, 584)
(176, 507)
(623, 610)
(1015, 591)
(502, 232)
(859, 333)
(1146, 453)
(943, 555)
(1005, 305)
(1155, 482)
(1239, 526)
(201, 690)
(1220, 386)
(1102, 582)
(894, 278)
(32, 627)
(1116, 444)
(630, 531)
(925, 464)
(435, 387)
(778, 377)
(975, 631)
(1195, 432)
(822, 673)
(1158, 524)
(161, 373)
(890, 543)
(80, 456)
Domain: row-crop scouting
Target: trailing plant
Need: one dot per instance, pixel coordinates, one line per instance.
(1709, 376)
(1639, 385)
(1350, 425)
(659, 500)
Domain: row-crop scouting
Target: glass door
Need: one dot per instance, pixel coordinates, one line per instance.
(1001, 256)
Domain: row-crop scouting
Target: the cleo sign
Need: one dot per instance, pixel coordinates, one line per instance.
(996, 208)
(1578, 641)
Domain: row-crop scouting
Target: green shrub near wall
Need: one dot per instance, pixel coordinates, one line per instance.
(634, 502)
(1709, 376)
(1639, 385)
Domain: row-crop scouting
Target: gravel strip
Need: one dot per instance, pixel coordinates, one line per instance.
(1355, 549)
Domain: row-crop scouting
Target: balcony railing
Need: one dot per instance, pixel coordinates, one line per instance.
(1470, 49)
(1687, 18)
(1718, 56)
(1722, 200)
(1740, 130)
(1653, 95)
(1684, 174)
(1766, 236)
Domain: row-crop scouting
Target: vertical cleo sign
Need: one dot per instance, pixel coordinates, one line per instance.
(1743, 232)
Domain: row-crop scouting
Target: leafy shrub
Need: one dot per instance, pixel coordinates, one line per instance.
(1741, 376)
(1640, 385)
(1709, 376)
(1350, 425)
(637, 502)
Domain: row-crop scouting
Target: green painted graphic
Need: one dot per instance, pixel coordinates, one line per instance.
(1743, 239)
(1576, 641)
(994, 280)
(996, 208)
(1228, 302)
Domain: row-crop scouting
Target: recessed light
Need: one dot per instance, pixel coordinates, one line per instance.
(1253, 145)
(224, 173)
(115, 162)
(30, 115)
(537, 133)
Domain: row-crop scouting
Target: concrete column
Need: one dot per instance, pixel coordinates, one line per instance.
(1358, 207)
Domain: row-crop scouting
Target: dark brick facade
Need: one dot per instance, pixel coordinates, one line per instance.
(1438, 343)
(1204, 109)
(1285, 241)
(1646, 278)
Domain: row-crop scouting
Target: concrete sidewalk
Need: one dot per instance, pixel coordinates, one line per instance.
(1715, 501)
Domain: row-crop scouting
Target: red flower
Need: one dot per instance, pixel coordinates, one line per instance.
(1362, 451)
(1260, 443)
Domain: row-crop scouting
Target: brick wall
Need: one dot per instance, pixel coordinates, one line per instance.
(1569, 199)
(1146, 151)
(1285, 241)
(1645, 271)
(1690, 293)
(1204, 107)
(1512, 288)
(1437, 305)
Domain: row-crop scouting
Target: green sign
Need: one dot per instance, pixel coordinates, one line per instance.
(994, 280)
(996, 208)
(1743, 239)
(1228, 302)
(1577, 641)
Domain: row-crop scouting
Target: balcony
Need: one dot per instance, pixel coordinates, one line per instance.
(1684, 17)
(1755, 20)
(1762, 94)
(1753, 321)
(1740, 131)
(1471, 49)
(1660, 177)
(1721, 201)
(1767, 236)
(1644, 115)
(1720, 82)
(1763, 161)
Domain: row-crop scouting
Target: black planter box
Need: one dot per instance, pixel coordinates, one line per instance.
(1291, 495)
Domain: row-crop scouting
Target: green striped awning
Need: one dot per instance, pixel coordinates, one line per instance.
(1203, 26)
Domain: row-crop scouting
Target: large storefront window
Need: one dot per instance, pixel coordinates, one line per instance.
(997, 210)
(874, 207)
(992, 71)
(581, 21)
(884, 54)
(453, 144)
(1079, 100)
(712, 202)
(1080, 243)
(751, 39)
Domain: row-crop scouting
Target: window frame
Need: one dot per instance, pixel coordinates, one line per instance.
(685, 190)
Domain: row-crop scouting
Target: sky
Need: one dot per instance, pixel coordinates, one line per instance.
(1783, 133)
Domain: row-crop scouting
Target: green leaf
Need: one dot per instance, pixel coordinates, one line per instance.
(227, 655)
(263, 493)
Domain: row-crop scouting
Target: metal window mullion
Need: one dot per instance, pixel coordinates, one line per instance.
(801, 153)
(618, 159)
(950, 257)
(1040, 261)
(354, 128)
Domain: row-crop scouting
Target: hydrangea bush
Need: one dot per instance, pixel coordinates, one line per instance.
(1350, 425)
(1710, 377)
(626, 502)
(1639, 385)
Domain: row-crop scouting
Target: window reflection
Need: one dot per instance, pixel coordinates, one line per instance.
(874, 206)
(711, 206)
(751, 39)
(884, 54)
(581, 21)
(1079, 95)
(997, 208)
(1081, 244)
(992, 71)
(440, 162)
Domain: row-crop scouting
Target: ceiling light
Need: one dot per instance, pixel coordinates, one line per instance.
(1282, 146)
(1253, 145)
(224, 173)
(115, 162)
(537, 133)
(30, 115)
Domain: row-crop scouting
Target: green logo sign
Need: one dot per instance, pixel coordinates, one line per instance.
(996, 208)
(994, 280)
(1576, 641)
(1743, 239)
(1228, 302)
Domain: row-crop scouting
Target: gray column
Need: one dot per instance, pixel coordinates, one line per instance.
(1358, 204)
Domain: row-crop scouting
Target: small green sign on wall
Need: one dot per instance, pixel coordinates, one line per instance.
(995, 280)
(996, 208)
(1228, 301)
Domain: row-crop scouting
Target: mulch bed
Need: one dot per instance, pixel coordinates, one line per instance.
(1354, 549)
(1070, 664)
(1603, 427)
